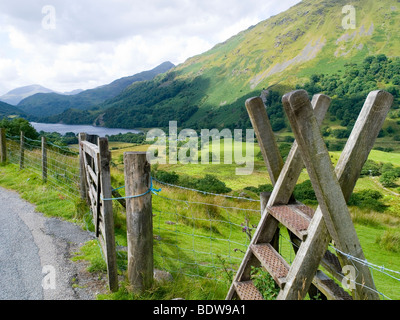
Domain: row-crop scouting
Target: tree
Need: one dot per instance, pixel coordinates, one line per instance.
(16, 125)
(388, 179)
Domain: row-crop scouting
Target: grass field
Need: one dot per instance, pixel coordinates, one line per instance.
(200, 239)
(379, 232)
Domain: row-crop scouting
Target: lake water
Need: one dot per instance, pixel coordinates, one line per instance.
(64, 128)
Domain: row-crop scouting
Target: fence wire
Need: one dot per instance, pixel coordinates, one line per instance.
(197, 234)
(62, 164)
(182, 224)
(197, 238)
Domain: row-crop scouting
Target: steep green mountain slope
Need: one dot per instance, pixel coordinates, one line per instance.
(280, 53)
(7, 110)
(43, 105)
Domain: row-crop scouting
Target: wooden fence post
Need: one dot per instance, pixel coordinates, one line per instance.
(107, 213)
(139, 221)
(3, 146)
(22, 147)
(44, 159)
(82, 171)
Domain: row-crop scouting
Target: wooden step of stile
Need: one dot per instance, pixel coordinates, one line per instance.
(294, 217)
(247, 291)
(272, 261)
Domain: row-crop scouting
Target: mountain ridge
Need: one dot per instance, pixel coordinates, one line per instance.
(49, 104)
(281, 52)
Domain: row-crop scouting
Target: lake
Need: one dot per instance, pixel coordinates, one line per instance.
(64, 128)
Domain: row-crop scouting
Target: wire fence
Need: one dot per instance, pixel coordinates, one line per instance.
(62, 163)
(209, 238)
(198, 234)
(197, 238)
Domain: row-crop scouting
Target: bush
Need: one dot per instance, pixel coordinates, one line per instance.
(371, 168)
(388, 179)
(208, 184)
(164, 176)
(16, 125)
(261, 188)
(368, 199)
(335, 146)
(211, 184)
(304, 192)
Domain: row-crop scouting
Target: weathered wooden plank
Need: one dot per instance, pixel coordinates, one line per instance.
(82, 168)
(90, 148)
(3, 146)
(329, 288)
(44, 159)
(362, 139)
(89, 178)
(22, 151)
(119, 198)
(332, 213)
(107, 213)
(139, 221)
(265, 136)
(294, 163)
(93, 175)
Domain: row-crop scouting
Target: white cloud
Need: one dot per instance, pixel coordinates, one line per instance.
(98, 41)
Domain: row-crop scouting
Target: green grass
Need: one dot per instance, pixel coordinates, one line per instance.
(49, 201)
(203, 244)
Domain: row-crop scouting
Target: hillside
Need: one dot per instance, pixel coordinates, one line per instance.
(279, 53)
(7, 110)
(45, 105)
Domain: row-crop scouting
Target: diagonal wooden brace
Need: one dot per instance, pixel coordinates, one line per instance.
(288, 177)
(332, 219)
(268, 225)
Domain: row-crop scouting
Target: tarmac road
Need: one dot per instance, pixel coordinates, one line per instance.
(35, 253)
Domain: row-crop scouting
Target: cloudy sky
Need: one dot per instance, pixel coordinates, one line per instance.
(80, 44)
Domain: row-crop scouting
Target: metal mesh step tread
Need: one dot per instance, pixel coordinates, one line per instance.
(331, 262)
(272, 261)
(330, 288)
(247, 291)
(295, 217)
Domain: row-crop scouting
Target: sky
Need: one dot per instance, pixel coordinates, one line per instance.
(82, 44)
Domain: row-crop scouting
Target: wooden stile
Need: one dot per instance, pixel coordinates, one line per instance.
(312, 231)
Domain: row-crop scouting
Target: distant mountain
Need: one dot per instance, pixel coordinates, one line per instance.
(73, 92)
(278, 54)
(43, 105)
(17, 95)
(7, 110)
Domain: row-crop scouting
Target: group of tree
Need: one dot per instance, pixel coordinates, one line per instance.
(349, 88)
(388, 173)
(15, 126)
